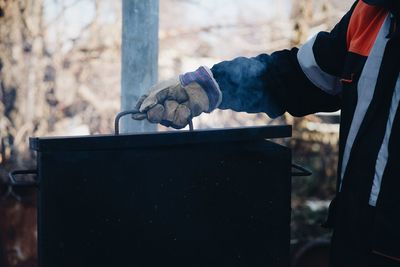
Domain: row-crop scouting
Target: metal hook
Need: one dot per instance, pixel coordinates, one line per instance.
(22, 183)
(14, 182)
(10, 192)
(132, 112)
(301, 171)
(120, 115)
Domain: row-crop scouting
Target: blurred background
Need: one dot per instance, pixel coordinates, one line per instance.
(60, 75)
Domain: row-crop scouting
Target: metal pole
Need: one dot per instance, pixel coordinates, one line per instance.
(139, 57)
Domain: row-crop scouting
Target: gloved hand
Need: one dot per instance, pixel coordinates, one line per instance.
(175, 102)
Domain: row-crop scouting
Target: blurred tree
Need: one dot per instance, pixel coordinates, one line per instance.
(26, 77)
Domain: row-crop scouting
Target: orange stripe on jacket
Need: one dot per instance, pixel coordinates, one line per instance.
(364, 26)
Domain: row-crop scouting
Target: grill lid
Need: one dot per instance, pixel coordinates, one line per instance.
(156, 139)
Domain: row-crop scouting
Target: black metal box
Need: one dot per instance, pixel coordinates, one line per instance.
(203, 198)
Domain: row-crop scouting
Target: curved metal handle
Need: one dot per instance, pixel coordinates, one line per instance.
(132, 112)
(120, 115)
(15, 182)
(301, 171)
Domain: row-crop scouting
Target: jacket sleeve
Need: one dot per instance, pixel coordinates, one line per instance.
(299, 81)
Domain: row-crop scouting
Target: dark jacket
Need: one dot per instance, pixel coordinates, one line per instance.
(354, 68)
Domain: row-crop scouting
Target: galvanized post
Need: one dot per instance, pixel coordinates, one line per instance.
(139, 57)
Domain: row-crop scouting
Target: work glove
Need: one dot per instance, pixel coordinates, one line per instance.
(175, 102)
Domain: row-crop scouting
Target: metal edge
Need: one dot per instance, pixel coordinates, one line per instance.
(34, 143)
(159, 138)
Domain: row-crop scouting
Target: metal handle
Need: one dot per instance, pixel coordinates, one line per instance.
(120, 115)
(132, 112)
(301, 171)
(15, 182)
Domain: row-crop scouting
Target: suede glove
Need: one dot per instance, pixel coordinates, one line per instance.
(175, 102)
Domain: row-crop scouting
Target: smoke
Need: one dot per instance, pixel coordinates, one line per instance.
(246, 85)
